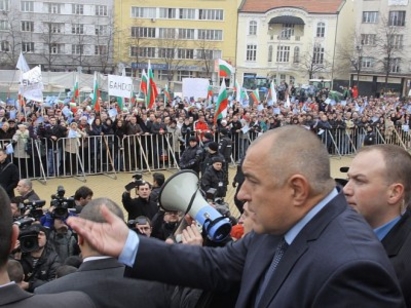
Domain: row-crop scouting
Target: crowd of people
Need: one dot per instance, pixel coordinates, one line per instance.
(301, 240)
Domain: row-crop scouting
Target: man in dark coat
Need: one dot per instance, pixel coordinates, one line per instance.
(191, 157)
(142, 205)
(9, 174)
(214, 177)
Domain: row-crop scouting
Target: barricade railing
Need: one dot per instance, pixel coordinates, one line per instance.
(108, 154)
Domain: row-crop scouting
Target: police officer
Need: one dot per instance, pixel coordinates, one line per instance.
(225, 148)
(191, 157)
(214, 177)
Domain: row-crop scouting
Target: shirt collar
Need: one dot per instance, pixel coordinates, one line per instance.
(95, 258)
(383, 230)
(296, 229)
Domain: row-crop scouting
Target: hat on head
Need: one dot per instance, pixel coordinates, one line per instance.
(192, 139)
(208, 136)
(213, 146)
(217, 159)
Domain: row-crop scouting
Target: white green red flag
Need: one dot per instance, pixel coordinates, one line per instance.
(225, 69)
(222, 103)
(95, 103)
(76, 92)
(144, 82)
(152, 91)
(255, 96)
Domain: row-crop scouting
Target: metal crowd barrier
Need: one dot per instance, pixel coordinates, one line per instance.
(108, 154)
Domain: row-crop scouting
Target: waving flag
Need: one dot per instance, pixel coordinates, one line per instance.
(144, 82)
(222, 103)
(96, 94)
(151, 88)
(167, 96)
(76, 92)
(255, 96)
(225, 69)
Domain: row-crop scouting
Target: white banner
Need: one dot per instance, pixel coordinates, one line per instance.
(31, 85)
(195, 87)
(120, 86)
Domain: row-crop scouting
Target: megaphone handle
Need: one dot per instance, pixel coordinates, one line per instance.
(183, 223)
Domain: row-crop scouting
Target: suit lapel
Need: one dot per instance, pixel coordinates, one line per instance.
(394, 240)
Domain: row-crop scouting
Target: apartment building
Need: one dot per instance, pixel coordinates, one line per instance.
(292, 40)
(382, 44)
(58, 36)
(180, 38)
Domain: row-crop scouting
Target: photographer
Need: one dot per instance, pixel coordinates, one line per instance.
(164, 224)
(142, 225)
(15, 206)
(38, 259)
(142, 205)
(25, 189)
(158, 181)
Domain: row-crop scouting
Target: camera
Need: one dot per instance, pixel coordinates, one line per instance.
(131, 224)
(35, 208)
(137, 181)
(219, 204)
(28, 236)
(61, 204)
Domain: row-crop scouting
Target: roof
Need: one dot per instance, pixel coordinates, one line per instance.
(311, 6)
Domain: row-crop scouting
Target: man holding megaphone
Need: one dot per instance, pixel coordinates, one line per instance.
(307, 247)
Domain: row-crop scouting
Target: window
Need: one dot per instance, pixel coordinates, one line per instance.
(5, 46)
(395, 65)
(368, 39)
(296, 58)
(27, 6)
(320, 29)
(367, 62)
(146, 52)
(166, 53)
(283, 54)
(396, 41)
(144, 12)
(77, 29)
(54, 8)
(27, 47)
(4, 6)
(187, 14)
(4, 25)
(208, 54)
(100, 30)
(138, 32)
(100, 50)
(185, 53)
(162, 75)
(168, 33)
(55, 48)
(77, 49)
(184, 74)
(318, 54)
(211, 35)
(252, 28)
(287, 31)
(369, 17)
(77, 9)
(186, 34)
(101, 10)
(168, 13)
(251, 53)
(292, 79)
(27, 26)
(270, 54)
(54, 27)
(396, 18)
(210, 14)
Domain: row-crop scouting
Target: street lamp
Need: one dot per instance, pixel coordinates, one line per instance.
(359, 63)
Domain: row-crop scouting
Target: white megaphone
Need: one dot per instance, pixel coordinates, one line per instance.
(181, 193)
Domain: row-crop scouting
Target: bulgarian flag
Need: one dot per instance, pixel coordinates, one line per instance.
(222, 103)
(96, 94)
(255, 96)
(167, 96)
(21, 100)
(243, 95)
(76, 92)
(120, 103)
(210, 93)
(144, 82)
(225, 69)
(272, 94)
(237, 90)
(151, 88)
(133, 97)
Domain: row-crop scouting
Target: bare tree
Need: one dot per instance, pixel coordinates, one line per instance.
(78, 55)
(10, 38)
(103, 48)
(205, 53)
(51, 35)
(389, 44)
(314, 62)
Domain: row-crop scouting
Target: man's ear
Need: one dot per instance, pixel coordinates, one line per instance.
(80, 240)
(14, 236)
(300, 188)
(396, 193)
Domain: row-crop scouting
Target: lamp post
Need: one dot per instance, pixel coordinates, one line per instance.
(359, 63)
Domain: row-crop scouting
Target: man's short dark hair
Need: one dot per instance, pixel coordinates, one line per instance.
(83, 192)
(159, 178)
(6, 221)
(15, 271)
(64, 270)
(73, 261)
(3, 151)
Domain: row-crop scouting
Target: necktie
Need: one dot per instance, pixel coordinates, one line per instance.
(279, 252)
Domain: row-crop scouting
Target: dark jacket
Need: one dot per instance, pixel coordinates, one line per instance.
(138, 206)
(191, 158)
(9, 177)
(214, 179)
(225, 148)
(44, 271)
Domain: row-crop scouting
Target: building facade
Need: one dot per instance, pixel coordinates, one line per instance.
(180, 38)
(382, 47)
(291, 40)
(58, 36)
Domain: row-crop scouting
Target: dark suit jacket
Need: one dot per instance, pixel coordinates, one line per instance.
(335, 261)
(397, 244)
(13, 297)
(103, 281)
